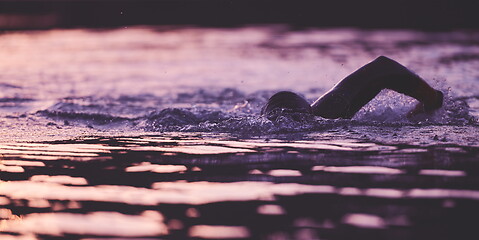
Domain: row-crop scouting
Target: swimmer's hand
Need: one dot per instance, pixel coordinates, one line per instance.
(422, 108)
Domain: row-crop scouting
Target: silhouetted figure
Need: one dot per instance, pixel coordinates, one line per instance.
(356, 90)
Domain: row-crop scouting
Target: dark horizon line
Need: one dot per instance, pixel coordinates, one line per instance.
(426, 15)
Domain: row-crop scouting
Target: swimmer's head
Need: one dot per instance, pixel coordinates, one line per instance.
(286, 101)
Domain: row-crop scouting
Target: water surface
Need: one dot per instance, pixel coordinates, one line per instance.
(155, 132)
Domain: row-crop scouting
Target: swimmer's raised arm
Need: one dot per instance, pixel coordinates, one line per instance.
(356, 90)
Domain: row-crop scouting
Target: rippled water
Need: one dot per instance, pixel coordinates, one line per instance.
(155, 132)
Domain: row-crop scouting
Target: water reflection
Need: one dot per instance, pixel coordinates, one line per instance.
(271, 209)
(12, 169)
(22, 163)
(219, 232)
(197, 193)
(96, 223)
(192, 186)
(284, 172)
(67, 180)
(442, 172)
(146, 167)
(364, 220)
(358, 169)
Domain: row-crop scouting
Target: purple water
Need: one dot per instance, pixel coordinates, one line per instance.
(155, 132)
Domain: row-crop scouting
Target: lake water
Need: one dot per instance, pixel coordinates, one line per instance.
(156, 133)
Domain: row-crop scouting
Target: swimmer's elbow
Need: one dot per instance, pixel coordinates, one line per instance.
(390, 66)
(384, 59)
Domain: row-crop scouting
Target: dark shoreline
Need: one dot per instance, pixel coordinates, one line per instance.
(423, 15)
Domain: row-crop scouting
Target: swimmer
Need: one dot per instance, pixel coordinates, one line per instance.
(348, 96)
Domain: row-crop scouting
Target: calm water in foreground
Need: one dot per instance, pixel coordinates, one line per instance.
(155, 133)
